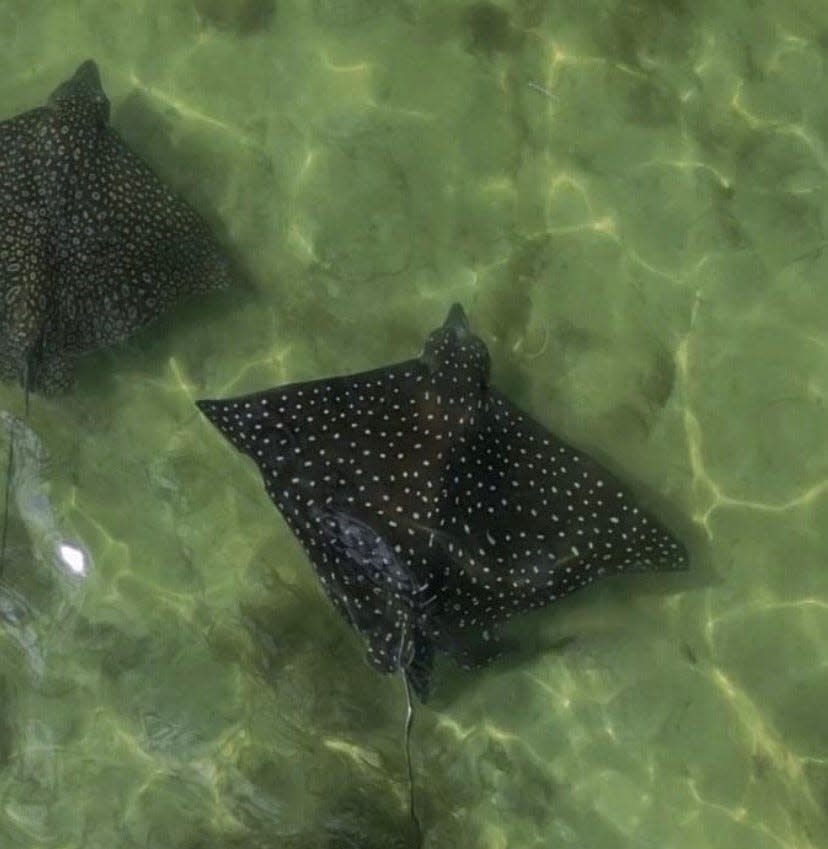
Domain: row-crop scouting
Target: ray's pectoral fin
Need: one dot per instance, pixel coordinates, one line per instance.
(472, 649)
(364, 555)
(369, 582)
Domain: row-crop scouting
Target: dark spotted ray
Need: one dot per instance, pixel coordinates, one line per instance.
(432, 508)
(92, 245)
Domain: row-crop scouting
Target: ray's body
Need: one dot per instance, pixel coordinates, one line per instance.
(92, 245)
(432, 508)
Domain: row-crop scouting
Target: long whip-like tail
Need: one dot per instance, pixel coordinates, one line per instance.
(10, 473)
(409, 722)
(403, 660)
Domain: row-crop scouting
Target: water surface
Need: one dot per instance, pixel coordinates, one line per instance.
(629, 200)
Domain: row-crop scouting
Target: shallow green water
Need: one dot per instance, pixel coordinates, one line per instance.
(630, 201)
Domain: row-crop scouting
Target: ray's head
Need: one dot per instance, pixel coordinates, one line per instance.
(82, 92)
(454, 353)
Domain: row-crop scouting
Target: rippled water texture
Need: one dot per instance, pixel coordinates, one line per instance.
(629, 200)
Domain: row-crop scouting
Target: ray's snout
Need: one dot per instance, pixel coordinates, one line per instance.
(456, 320)
(84, 83)
(87, 75)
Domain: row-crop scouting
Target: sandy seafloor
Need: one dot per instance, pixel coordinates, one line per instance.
(630, 201)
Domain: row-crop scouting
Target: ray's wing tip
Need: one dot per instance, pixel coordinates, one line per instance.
(216, 412)
(680, 559)
(680, 563)
(208, 408)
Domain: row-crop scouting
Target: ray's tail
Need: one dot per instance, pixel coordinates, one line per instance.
(10, 473)
(405, 655)
(409, 722)
(6, 501)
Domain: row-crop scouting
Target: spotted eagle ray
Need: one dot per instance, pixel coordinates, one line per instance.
(431, 507)
(92, 244)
